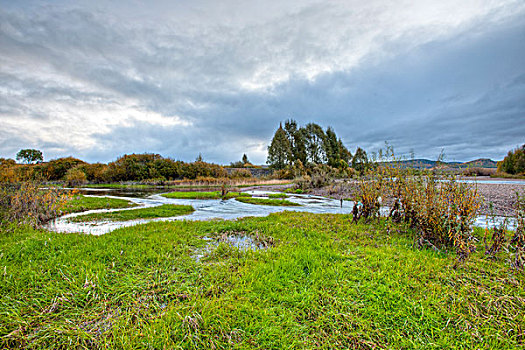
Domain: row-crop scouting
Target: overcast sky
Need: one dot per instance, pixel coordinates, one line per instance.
(97, 79)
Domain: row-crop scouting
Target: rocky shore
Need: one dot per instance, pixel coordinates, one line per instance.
(502, 196)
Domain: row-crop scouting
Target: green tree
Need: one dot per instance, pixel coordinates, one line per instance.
(331, 148)
(30, 156)
(245, 159)
(360, 160)
(344, 154)
(314, 140)
(297, 141)
(514, 162)
(280, 150)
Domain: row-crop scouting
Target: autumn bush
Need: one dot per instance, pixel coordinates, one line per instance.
(240, 173)
(95, 173)
(441, 211)
(27, 203)
(8, 170)
(75, 177)
(57, 169)
(476, 171)
(514, 162)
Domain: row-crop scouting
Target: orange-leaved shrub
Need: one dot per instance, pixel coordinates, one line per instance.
(441, 210)
(27, 203)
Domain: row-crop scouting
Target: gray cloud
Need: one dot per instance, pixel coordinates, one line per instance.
(99, 79)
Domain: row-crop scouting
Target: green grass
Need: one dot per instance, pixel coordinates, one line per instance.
(204, 195)
(296, 191)
(277, 195)
(325, 283)
(162, 211)
(265, 201)
(81, 203)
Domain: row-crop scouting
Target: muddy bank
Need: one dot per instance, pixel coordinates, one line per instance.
(502, 196)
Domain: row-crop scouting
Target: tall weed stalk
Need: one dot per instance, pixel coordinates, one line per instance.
(517, 242)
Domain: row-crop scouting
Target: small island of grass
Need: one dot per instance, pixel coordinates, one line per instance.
(277, 195)
(265, 201)
(81, 203)
(204, 195)
(162, 211)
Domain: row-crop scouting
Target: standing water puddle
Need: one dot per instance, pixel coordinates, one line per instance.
(205, 209)
(239, 240)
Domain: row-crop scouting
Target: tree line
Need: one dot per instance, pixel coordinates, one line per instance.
(310, 145)
(514, 162)
(130, 167)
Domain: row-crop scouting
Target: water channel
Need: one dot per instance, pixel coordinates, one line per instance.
(205, 209)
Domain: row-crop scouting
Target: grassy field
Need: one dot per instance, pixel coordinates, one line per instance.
(81, 203)
(266, 201)
(322, 283)
(162, 211)
(204, 195)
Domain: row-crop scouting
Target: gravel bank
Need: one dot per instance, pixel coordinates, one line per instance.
(503, 197)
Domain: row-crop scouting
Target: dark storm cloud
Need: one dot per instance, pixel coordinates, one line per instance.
(97, 80)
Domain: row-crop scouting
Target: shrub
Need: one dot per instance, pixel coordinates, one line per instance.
(441, 212)
(95, 173)
(198, 168)
(8, 171)
(75, 177)
(303, 183)
(58, 168)
(27, 203)
(476, 171)
(283, 174)
(240, 173)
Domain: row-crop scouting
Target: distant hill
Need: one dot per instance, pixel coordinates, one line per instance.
(481, 163)
(429, 164)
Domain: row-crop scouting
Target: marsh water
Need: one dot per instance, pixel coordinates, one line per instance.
(205, 209)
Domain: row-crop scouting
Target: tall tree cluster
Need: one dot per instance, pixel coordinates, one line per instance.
(309, 144)
(514, 162)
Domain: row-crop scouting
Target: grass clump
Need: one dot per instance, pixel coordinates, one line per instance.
(162, 211)
(81, 203)
(204, 195)
(323, 283)
(277, 195)
(266, 201)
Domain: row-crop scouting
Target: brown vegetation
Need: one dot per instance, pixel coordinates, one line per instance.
(26, 203)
